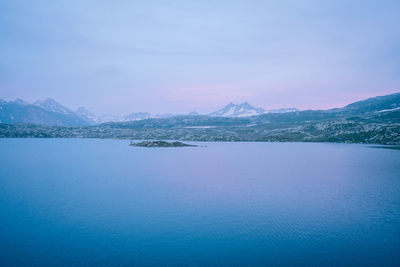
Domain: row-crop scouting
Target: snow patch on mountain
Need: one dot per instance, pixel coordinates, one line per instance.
(87, 115)
(387, 110)
(282, 110)
(137, 116)
(19, 101)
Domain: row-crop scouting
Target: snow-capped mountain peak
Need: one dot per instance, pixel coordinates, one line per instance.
(51, 105)
(242, 110)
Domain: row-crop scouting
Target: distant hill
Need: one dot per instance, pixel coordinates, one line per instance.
(387, 102)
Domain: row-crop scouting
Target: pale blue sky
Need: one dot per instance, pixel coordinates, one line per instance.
(178, 56)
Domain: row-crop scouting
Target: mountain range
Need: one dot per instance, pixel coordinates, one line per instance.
(375, 121)
(50, 112)
(46, 112)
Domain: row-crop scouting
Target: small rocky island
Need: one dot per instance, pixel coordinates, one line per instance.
(159, 144)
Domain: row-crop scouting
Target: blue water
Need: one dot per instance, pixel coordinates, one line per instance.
(101, 202)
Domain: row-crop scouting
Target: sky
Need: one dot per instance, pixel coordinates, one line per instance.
(175, 56)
